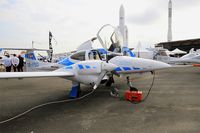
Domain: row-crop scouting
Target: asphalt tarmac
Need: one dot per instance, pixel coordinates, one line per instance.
(173, 105)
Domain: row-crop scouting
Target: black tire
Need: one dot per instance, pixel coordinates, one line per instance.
(110, 81)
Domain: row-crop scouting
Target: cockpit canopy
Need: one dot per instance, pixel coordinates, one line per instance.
(110, 38)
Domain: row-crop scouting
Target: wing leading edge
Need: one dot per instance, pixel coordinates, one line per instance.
(9, 75)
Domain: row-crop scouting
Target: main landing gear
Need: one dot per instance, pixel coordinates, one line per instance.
(75, 91)
(129, 83)
(133, 95)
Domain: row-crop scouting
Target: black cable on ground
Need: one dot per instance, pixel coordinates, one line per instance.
(44, 104)
(145, 98)
(69, 100)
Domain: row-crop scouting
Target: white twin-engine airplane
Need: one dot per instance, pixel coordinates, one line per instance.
(92, 67)
(93, 71)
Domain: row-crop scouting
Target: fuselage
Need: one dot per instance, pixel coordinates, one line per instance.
(87, 73)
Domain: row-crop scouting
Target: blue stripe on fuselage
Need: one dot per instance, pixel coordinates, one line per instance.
(88, 67)
(118, 69)
(127, 68)
(66, 62)
(136, 68)
(80, 66)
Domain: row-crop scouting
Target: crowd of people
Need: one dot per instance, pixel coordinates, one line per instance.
(7, 63)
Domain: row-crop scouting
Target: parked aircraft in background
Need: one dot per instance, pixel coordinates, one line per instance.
(40, 62)
(32, 62)
(191, 58)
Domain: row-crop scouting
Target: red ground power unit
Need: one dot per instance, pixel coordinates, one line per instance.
(133, 96)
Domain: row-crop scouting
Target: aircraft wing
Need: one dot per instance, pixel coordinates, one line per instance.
(34, 49)
(8, 75)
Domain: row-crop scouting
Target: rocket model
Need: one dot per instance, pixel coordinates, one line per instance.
(122, 27)
(169, 36)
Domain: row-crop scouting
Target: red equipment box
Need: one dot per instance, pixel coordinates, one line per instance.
(133, 96)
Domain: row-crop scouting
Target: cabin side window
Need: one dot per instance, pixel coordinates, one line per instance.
(94, 55)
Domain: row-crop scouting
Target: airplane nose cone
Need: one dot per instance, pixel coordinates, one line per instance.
(161, 65)
(108, 66)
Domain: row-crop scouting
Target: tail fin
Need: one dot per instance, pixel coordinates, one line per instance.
(31, 61)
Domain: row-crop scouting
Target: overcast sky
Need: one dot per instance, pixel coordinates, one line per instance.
(74, 21)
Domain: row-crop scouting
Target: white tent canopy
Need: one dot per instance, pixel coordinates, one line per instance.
(178, 51)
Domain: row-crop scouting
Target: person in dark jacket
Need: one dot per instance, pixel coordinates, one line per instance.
(21, 64)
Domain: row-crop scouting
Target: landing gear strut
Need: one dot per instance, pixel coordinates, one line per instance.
(114, 91)
(75, 91)
(130, 85)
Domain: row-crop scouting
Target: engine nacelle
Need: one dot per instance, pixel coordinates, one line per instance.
(88, 72)
(131, 65)
(89, 67)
